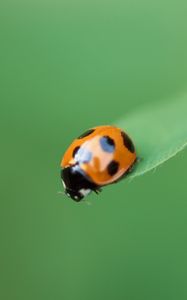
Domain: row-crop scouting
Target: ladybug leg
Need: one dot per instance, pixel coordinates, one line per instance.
(138, 159)
(97, 190)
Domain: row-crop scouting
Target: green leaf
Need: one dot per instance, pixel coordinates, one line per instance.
(158, 132)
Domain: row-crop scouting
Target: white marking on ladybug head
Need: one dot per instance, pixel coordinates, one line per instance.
(84, 192)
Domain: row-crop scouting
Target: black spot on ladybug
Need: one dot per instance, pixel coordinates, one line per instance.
(127, 142)
(107, 144)
(86, 133)
(113, 167)
(75, 150)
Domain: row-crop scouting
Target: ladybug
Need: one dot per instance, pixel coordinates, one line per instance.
(100, 156)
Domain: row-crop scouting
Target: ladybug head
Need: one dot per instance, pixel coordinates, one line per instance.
(76, 183)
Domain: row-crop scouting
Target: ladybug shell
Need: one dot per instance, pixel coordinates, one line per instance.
(103, 153)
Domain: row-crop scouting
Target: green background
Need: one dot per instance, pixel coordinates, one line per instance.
(67, 66)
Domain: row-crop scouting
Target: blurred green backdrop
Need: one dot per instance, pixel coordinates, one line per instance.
(66, 66)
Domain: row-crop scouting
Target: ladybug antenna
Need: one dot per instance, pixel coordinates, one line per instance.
(60, 192)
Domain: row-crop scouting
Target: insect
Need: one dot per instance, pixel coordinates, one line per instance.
(100, 156)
